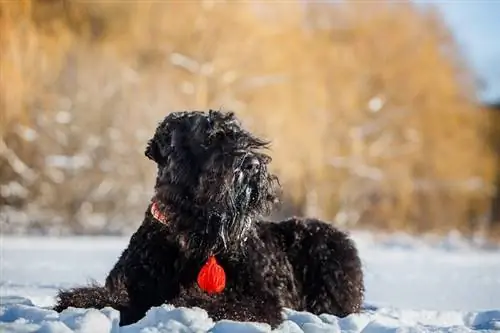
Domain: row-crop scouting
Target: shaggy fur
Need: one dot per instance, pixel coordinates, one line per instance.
(213, 184)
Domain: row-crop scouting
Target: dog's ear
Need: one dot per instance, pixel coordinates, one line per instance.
(153, 151)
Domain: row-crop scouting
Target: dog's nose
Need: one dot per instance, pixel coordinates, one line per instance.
(251, 164)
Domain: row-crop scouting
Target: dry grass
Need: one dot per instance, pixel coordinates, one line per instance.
(369, 107)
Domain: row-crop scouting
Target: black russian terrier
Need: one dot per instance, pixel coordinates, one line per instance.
(202, 242)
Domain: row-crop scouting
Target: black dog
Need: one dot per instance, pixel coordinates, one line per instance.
(202, 242)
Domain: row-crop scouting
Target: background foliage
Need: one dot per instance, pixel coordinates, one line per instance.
(370, 108)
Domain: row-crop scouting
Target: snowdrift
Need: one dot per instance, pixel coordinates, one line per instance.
(19, 315)
(413, 285)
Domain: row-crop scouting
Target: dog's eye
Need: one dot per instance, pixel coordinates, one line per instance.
(216, 137)
(240, 152)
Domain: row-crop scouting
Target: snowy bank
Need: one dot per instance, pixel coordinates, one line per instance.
(413, 285)
(28, 318)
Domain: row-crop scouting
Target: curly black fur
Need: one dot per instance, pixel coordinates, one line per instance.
(214, 185)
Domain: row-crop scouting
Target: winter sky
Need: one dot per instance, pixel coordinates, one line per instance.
(476, 26)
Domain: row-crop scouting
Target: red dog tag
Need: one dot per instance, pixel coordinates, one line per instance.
(212, 278)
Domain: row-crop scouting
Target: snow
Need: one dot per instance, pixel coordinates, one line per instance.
(28, 134)
(426, 284)
(68, 162)
(185, 62)
(63, 117)
(375, 104)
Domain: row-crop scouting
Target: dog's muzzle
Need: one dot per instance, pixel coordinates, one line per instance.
(245, 181)
(251, 165)
(249, 168)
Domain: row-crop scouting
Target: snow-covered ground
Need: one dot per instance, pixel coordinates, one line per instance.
(413, 285)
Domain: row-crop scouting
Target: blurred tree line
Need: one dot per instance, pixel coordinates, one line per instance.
(370, 108)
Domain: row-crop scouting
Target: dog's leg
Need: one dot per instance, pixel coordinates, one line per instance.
(116, 292)
(93, 296)
(327, 264)
(229, 306)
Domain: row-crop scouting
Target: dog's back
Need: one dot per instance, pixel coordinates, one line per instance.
(324, 265)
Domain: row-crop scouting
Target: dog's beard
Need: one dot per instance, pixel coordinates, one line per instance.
(234, 217)
(231, 231)
(248, 196)
(218, 215)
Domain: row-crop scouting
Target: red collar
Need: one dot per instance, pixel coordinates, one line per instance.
(157, 213)
(211, 278)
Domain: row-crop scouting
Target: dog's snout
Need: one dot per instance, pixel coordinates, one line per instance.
(251, 164)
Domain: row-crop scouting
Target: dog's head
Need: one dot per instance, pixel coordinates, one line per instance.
(213, 175)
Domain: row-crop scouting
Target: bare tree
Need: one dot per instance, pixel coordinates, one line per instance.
(369, 107)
